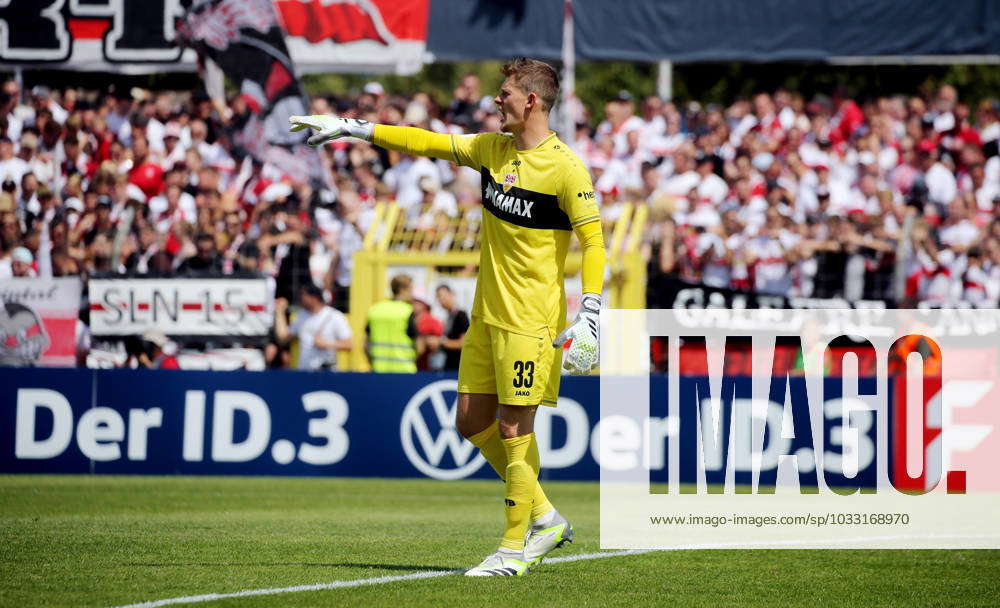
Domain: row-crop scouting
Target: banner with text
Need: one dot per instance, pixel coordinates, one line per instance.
(188, 307)
(38, 321)
(265, 423)
(665, 291)
(317, 423)
(878, 427)
(140, 37)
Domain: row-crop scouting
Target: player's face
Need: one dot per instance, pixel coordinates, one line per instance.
(511, 102)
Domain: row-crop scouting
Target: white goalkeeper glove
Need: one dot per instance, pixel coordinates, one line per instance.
(329, 127)
(585, 333)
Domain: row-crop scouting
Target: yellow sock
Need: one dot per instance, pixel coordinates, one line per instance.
(522, 477)
(488, 442)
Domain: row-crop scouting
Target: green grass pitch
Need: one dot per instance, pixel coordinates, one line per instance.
(108, 541)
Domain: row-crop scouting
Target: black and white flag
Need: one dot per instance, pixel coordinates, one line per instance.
(246, 40)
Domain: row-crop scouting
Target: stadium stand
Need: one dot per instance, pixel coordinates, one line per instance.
(891, 199)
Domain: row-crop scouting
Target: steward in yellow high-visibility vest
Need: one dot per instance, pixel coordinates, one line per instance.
(392, 331)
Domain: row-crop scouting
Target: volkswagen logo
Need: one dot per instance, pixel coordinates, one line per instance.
(430, 402)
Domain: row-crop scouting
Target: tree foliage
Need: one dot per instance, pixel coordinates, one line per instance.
(723, 83)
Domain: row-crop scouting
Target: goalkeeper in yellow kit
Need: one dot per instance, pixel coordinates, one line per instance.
(536, 192)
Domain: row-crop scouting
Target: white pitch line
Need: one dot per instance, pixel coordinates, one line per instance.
(209, 597)
(379, 580)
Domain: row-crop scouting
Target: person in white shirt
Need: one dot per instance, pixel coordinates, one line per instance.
(976, 288)
(958, 231)
(404, 180)
(941, 184)
(770, 255)
(864, 197)
(934, 274)
(212, 155)
(344, 235)
(322, 330)
(716, 249)
(621, 125)
(156, 127)
(173, 150)
(750, 208)
(173, 197)
(684, 177)
(985, 192)
(11, 167)
(712, 189)
(987, 121)
(41, 99)
(170, 207)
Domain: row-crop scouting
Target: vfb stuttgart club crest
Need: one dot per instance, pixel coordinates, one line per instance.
(439, 450)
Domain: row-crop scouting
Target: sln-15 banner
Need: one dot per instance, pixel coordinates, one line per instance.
(192, 307)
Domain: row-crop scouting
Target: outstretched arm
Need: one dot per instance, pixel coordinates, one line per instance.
(418, 142)
(409, 140)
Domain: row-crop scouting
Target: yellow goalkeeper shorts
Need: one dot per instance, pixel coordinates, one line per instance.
(519, 369)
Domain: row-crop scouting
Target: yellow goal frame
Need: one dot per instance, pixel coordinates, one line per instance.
(390, 242)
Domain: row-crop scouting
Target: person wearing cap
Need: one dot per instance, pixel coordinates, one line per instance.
(42, 99)
(374, 88)
(21, 263)
(621, 125)
(158, 352)
(322, 331)
(173, 150)
(27, 147)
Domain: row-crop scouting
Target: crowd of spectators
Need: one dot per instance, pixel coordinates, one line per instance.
(822, 198)
(776, 194)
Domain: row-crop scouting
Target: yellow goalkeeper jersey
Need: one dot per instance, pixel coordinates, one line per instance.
(532, 200)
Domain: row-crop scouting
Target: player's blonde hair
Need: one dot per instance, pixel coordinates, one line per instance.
(534, 76)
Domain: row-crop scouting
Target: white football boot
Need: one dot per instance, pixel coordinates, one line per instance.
(542, 540)
(501, 563)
